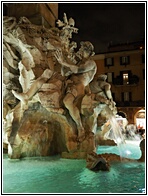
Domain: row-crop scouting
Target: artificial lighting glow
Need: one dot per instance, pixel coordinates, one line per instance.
(140, 122)
(142, 110)
(127, 152)
(125, 76)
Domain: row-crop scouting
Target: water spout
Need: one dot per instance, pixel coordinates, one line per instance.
(115, 132)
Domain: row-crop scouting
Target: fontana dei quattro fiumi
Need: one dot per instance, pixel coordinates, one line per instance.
(52, 102)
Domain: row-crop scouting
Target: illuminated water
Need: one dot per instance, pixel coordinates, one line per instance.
(116, 129)
(57, 175)
(130, 149)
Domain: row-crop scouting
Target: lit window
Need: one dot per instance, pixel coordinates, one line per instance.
(125, 78)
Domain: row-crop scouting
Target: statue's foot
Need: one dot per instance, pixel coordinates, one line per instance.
(47, 73)
(23, 98)
(20, 96)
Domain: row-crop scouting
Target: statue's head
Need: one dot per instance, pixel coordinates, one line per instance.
(102, 77)
(86, 50)
(87, 46)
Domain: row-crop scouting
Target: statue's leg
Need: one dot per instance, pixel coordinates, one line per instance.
(24, 97)
(107, 88)
(75, 114)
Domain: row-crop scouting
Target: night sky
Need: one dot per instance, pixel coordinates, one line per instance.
(104, 23)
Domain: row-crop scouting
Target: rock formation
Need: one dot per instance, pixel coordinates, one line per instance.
(96, 162)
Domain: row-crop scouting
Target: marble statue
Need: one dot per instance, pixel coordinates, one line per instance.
(81, 75)
(51, 99)
(102, 91)
(24, 97)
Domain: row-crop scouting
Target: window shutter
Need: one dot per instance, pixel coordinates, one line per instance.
(130, 96)
(112, 61)
(128, 59)
(120, 60)
(122, 97)
(105, 63)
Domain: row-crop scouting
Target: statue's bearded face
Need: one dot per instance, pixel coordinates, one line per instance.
(83, 52)
(86, 53)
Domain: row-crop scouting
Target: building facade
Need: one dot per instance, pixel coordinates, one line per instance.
(38, 13)
(124, 65)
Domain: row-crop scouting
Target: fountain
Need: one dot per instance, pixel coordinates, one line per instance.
(52, 102)
(49, 107)
(52, 95)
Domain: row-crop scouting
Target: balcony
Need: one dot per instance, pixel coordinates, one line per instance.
(132, 81)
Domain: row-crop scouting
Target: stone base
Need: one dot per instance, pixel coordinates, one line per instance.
(106, 142)
(74, 155)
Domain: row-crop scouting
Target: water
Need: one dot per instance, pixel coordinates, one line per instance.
(58, 175)
(115, 128)
(130, 149)
(115, 134)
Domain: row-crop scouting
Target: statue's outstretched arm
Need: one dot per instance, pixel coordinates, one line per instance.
(60, 59)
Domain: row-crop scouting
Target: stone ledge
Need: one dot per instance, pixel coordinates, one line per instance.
(74, 155)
